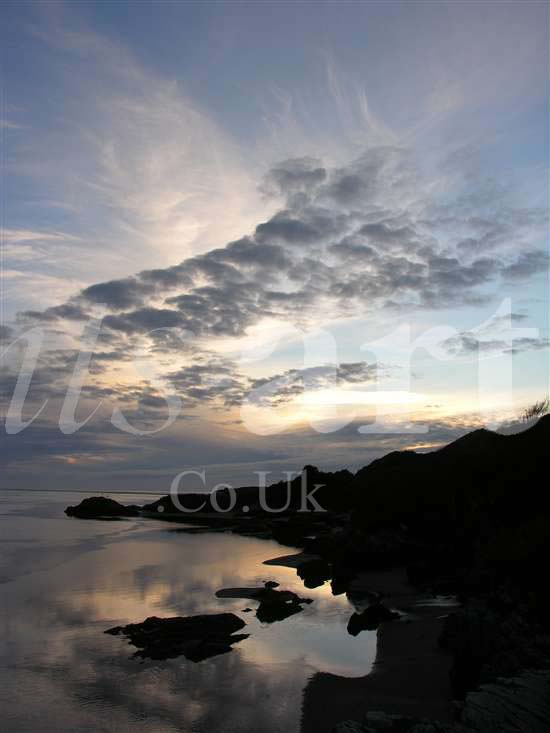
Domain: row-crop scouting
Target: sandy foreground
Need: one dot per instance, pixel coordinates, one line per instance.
(410, 675)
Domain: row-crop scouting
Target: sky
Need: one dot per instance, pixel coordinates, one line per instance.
(242, 237)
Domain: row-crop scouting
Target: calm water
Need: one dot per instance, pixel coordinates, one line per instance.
(64, 581)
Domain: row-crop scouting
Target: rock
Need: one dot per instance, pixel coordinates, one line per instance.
(276, 610)
(490, 639)
(370, 618)
(314, 572)
(389, 723)
(275, 605)
(349, 726)
(194, 637)
(509, 705)
(382, 721)
(99, 507)
(342, 576)
(291, 561)
(435, 727)
(521, 703)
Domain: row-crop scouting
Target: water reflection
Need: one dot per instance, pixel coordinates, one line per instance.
(79, 578)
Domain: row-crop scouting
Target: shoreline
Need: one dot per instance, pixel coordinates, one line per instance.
(410, 675)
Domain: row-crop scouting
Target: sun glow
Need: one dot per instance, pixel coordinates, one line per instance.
(359, 397)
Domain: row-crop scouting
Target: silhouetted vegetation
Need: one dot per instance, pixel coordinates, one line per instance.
(536, 410)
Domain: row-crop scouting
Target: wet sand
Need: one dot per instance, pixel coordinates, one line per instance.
(410, 675)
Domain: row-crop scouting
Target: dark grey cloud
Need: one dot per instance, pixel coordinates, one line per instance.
(294, 176)
(214, 379)
(5, 333)
(511, 318)
(512, 228)
(288, 229)
(118, 294)
(384, 235)
(144, 320)
(281, 388)
(448, 272)
(465, 344)
(69, 312)
(347, 188)
(48, 379)
(528, 344)
(527, 264)
(248, 254)
(360, 183)
(66, 311)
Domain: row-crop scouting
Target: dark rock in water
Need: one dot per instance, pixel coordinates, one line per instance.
(99, 507)
(314, 572)
(194, 637)
(342, 576)
(275, 605)
(276, 610)
(370, 619)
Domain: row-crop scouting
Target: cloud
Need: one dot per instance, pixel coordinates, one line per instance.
(287, 229)
(527, 264)
(118, 294)
(214, 379)
(27, 236)
(66, 311)
(379, 251)
(529, 344)
(297, 175)
(142, 171)
(5, 333)
(284, 387)
(348, 241)
(466, 344)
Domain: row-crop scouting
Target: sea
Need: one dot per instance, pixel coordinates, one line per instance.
(64, 581)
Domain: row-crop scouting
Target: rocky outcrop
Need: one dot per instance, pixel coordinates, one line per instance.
(509, 705)
(492, 638)
(370, 618)
(100, 507)
(275, 605)
(194, 637)
(314, 572)
(513, 705)
(379, 721)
